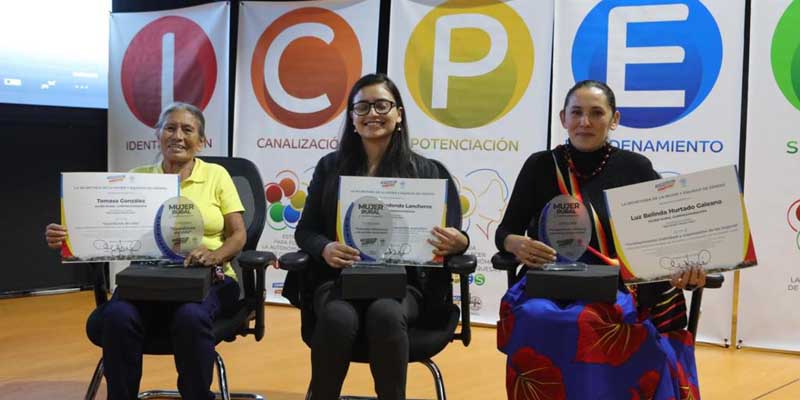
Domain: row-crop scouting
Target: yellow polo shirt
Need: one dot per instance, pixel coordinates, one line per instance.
(211, 189)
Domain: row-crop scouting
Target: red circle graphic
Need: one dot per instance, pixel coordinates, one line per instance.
(194, 74)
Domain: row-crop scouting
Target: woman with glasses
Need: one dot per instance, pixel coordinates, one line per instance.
(374, 142)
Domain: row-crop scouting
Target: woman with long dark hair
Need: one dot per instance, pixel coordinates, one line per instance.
(374, 142)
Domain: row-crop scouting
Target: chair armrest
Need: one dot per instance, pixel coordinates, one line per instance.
(294, 261)
(254, 264)
(714, 281)
(505, 261)
(462, 264)
(252, 259)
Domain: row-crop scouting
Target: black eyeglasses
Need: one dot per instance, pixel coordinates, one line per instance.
(381, 107)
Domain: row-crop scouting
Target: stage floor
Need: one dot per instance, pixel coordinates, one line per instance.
(44, 354)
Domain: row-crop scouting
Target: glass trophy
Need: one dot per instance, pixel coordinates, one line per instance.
(368, 228)
(564, 225)
(178, 228)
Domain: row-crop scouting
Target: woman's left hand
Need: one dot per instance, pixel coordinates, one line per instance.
(202, 256)
(448, 241)
(690, 278)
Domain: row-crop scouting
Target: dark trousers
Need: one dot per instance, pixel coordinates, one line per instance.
(123, 327)
(382, 324)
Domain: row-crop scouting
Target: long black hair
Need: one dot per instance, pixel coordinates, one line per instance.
(398, 160)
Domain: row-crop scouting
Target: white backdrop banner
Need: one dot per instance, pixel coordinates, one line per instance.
(676, 69)
(296, 63)
(769, 294)
(475, 81)
(156, 58)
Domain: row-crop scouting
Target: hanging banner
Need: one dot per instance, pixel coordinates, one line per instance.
(160, 57)
(676, 69)
(296, 63)
(768, 297)
(475, 77)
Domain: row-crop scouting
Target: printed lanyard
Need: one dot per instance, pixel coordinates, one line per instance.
(600, 233)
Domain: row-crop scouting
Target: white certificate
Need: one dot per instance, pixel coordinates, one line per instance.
(389, 220)
(696, 219)
(111, 216)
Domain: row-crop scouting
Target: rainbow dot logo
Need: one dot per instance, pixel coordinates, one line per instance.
(285, 201)
(469, 62)
(786, 54)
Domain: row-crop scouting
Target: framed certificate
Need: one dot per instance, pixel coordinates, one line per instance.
(389, 220)
(697, 219)
(119, 216)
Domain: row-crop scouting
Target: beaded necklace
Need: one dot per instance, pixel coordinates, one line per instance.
(574, 170)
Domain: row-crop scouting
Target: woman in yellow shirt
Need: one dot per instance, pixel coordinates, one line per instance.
(120, 326)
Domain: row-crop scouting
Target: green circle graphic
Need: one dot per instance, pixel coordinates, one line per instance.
(786, 54)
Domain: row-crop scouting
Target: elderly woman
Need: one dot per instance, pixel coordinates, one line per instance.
(121, 325)
(633, 349)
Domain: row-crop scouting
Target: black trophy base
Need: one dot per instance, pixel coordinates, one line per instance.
(598, 283)
(373, 282)
(157, 283)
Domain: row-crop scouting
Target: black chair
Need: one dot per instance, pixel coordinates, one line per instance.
(427, 339)
(508, 262)
(250, 268)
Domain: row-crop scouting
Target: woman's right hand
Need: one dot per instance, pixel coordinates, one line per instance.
(340, 255)
(55, 235)
(532, 253)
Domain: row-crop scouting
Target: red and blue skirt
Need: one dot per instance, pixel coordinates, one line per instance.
(579, 350)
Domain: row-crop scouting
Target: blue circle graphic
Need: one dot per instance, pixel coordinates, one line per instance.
(290, 215)
(698, 35)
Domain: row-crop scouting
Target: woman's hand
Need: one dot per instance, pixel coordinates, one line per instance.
(235, 237)
(203, 256)
(55, 234)
(532, 253)
(448, 241)
(690, 278)
(340, 255)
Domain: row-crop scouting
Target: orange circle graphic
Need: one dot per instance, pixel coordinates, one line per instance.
(309, 67)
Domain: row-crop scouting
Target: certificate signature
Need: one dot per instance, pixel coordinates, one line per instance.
(695, 259)
(398, 250)
(118, 247)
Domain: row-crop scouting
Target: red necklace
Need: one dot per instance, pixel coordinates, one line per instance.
(578, 174)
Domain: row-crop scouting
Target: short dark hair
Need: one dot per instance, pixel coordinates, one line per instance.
(610, 98)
